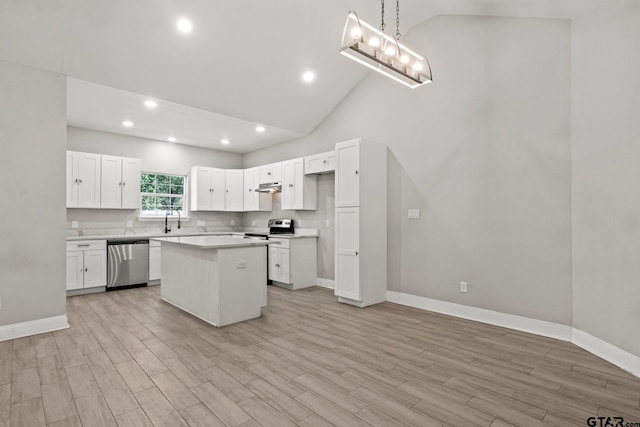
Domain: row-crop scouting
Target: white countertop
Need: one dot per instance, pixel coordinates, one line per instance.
(212, 242)
(293, 236)
(154, 235)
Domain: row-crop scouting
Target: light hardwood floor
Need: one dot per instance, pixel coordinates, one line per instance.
(130, 359)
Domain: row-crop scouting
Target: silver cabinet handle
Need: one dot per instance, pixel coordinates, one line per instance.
(124, 183)
(356, 172)
(86, 269)
(356, 253)
(324, 161)
(268, 173)
(80, 181)
(277, 265)
(290, 185)
(84, 246)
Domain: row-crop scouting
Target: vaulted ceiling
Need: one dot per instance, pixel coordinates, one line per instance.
(240, 66)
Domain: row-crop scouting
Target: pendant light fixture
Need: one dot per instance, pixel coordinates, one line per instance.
(372, 48)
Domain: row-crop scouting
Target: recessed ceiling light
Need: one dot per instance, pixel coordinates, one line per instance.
(184, 25)
(225, 141)
(127, 123)
(172, 139)
(260, 129)
(308, 76)
(151, 104)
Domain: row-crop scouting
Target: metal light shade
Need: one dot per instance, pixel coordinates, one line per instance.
(371, 47)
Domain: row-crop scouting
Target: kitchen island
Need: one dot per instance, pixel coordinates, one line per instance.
(219, 279)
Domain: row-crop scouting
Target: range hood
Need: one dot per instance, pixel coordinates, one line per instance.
(270, 187)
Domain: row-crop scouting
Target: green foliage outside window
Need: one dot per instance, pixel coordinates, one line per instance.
(161, 193)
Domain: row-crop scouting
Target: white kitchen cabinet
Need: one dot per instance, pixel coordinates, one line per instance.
(120, 182)
(155, 260)
(86, 264)
(320, 163)
(361, 223)
(234, 196)
(255, 200)
(83, 180)
(299, 191)
(293, 263)
(270, 173)
(208, 190)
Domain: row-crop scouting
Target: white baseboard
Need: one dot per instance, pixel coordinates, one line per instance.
(326, 283)
(612, 354)
(33, 327)
(511, 321)
(609, 352)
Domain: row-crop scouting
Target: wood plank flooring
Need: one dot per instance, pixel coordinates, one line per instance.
(130, 359)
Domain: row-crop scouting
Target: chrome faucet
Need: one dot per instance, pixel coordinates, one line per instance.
(166, 220)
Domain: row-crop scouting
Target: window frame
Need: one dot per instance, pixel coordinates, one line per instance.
(184, 213)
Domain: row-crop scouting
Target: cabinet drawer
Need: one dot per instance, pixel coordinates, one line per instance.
(86, 245)
(283, 243)
(154, 244)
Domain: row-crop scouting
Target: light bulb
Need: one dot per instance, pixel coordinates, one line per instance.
(374, 42)
(184, 25)
(356, 32)
(390, 50)
(404, 59)
(417, 66)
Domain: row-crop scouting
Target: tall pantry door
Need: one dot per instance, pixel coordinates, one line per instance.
(348, 174)
(347, 276)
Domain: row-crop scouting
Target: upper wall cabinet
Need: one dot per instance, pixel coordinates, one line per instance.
(120, 182)
(299, 191)
(83, 180)
(270, 173)
(255, 200)
(234, 196)
(320, 163)
(208, 189)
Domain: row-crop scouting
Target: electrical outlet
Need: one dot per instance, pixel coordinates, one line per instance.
(463, 287)
(200, 223)
(326, 223)
(0, 303)
(253, 222)
(129, 224)
(233, 222)
(74, 224)
(413, 213)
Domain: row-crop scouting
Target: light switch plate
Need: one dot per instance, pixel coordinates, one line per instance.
(253, 222)
(233, 222)
(74, 224)
(200, 223)
(413, 213)
(326, 223)
(129, 224)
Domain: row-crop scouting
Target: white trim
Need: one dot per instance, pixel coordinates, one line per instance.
(325, 283)
(40, 326)
(511, 321)
(609, 352)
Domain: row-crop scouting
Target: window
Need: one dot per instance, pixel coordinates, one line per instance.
(161, 193)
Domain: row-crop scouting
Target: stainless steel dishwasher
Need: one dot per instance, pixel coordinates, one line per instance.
(127, 263)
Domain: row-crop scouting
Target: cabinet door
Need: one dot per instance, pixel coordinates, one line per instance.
(298, 183)
(89, 180)
(262, 201)
(201, 188)
(285, 270)
(218, 189)
(348, 174)
(288, 181)
(347, 277)
(72, 179)
(155, 262)
(249, 194)
(274, 264)
(277, 172)
(75, 270)
(330, 164)
(111, 182)
(95, 268)
(266, 174)
(234, 183)
(131, 169)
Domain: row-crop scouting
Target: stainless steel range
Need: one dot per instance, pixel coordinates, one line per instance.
(281, 226)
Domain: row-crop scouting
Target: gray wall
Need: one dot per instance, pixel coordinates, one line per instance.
(156, 156)
(606, 173)
(484, 153)
(32, 246)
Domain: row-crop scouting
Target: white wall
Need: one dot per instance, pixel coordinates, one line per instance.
(484, 153)
(156, 156)
(606, 174)
(32, 219)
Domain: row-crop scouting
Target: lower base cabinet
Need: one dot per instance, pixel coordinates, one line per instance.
(86, 264)
(293, 263)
